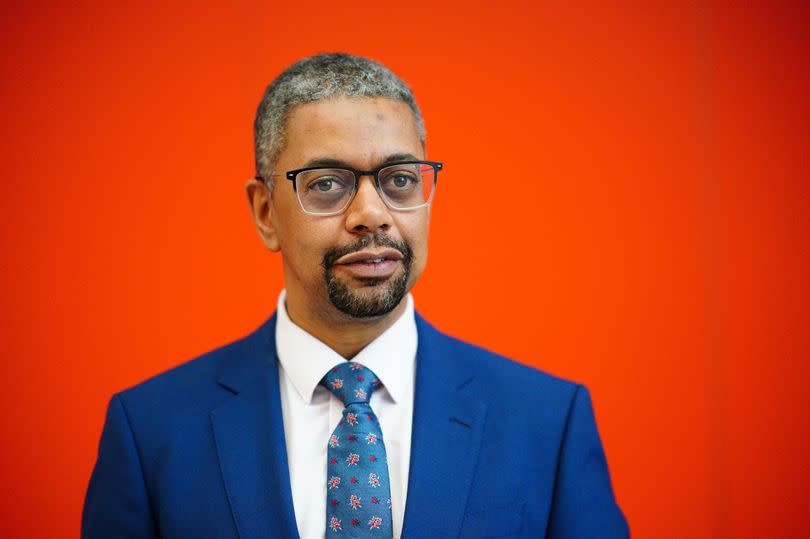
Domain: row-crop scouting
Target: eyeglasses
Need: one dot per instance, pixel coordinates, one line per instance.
(329, 190)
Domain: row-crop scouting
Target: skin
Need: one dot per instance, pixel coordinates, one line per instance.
(362, 133)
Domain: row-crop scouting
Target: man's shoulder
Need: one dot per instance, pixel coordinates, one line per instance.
(194, 381)
(499, 371)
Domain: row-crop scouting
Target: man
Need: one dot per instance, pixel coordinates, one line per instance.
(346, 413)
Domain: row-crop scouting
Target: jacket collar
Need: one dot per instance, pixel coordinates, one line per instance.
(447, 426)
(249, 435)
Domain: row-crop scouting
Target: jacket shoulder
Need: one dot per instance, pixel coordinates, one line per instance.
(193, 381)
(500, 372)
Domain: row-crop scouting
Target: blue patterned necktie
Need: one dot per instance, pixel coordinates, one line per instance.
(358, 495)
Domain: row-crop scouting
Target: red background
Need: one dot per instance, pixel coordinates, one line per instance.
(625, 203)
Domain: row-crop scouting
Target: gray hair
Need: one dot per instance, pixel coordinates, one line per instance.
(312, 79)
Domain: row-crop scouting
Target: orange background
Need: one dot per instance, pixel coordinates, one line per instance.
(625, 203)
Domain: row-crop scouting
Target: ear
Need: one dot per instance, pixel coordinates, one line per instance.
(261, 209)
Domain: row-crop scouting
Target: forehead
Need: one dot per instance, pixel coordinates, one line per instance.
(360, 131)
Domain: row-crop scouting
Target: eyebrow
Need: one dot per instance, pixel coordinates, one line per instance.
(332, 162)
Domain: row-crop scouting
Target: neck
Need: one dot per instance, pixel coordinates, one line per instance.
(342, 333)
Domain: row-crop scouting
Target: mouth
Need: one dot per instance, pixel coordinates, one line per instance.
(379, 264)
(370, 257)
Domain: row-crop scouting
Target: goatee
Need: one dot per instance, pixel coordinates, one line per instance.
(390, 291)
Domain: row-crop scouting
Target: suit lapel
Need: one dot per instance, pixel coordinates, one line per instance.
(249, 433)
(446, 436)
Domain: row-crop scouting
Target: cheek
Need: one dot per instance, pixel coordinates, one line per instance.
(417, 237)
(308, 252)
(311, 241)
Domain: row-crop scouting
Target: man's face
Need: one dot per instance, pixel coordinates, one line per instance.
(319, 252)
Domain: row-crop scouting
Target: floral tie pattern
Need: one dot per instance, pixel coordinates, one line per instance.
(358, 495)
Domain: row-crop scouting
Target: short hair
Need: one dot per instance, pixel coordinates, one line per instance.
(319, 77)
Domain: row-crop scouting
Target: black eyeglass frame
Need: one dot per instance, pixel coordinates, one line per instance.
(292, 175)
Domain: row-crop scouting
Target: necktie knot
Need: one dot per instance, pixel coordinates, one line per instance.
(351, 382)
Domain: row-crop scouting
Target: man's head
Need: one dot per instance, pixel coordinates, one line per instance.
(314, 79)
(357, 255)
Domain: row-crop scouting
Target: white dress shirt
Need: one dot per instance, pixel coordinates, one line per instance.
(311, 412)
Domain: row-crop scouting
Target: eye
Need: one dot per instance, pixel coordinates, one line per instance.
(401, 180)
(321, 185)
(325, 184)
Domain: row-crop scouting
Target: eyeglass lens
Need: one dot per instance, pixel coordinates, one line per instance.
(403, 186)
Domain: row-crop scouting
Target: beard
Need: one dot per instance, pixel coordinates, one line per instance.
(382, 294)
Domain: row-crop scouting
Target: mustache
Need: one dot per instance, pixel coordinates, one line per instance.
(377, 239)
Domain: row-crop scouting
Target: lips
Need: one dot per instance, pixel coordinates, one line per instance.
(378, 264)
(370, 257)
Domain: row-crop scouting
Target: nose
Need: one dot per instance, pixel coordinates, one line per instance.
(367, 212)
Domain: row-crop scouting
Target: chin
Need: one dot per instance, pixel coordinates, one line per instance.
(367, 298)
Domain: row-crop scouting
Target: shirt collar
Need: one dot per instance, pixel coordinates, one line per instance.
(305, 359)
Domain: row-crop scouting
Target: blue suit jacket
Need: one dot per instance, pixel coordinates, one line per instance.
(498, 450)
